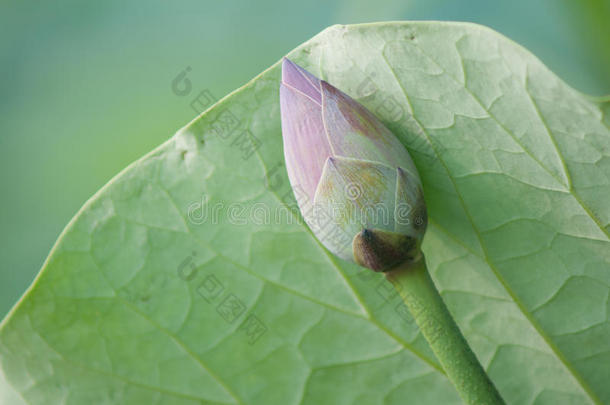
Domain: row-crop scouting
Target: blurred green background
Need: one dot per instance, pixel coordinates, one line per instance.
(87, 86)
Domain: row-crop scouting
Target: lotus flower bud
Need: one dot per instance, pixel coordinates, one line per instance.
(355, 183)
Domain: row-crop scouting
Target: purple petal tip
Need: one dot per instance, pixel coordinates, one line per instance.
(301, 80)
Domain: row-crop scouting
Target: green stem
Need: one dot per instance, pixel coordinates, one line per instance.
(417, 290)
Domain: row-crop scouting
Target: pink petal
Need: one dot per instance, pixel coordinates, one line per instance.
(354, 132)
(306, 146)
(301, 80)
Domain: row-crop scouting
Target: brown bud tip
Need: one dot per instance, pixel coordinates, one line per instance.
(382, 250)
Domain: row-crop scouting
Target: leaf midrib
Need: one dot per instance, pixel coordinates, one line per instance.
(592, 396)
